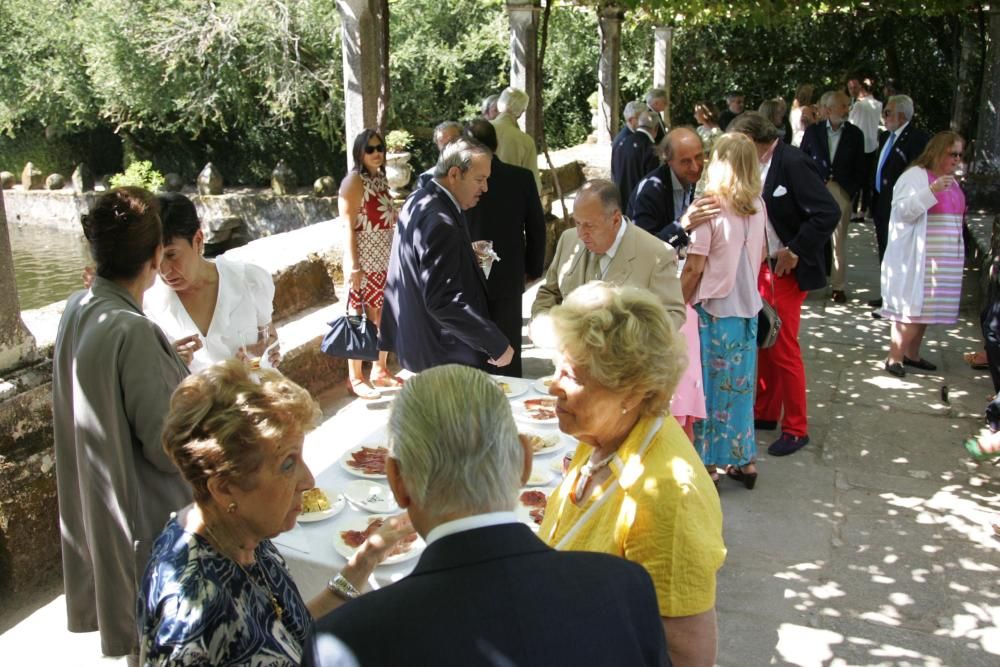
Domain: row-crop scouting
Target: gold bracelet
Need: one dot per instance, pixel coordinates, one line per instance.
(342, 588)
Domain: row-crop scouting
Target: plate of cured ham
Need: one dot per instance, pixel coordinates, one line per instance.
(353, 533)
(535, 410)
(366, 461)
(530, 508)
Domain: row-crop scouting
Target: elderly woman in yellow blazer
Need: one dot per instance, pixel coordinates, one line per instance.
(635, 488)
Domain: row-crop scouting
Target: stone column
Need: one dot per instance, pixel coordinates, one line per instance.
(663, 38)
(17, 345)
(523, 17)
(362, 63)
(988, 133)
(609, 27)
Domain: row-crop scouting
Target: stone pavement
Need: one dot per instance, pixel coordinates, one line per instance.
(871, 546)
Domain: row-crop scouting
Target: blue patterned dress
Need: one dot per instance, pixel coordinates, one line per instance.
(197, 607)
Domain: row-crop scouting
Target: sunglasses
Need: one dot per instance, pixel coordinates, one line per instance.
(377, 148)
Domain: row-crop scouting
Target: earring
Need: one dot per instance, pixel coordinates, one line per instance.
(231, 508)
(624, 410)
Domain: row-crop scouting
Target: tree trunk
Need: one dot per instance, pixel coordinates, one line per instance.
(962, 103)
(382, 110)
(987, 156)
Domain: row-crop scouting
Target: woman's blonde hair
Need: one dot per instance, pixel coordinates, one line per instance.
(733, 173)
(220, 419)
(625, 340)
(939, 144)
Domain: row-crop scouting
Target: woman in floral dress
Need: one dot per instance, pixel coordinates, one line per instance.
(718, 279)
(369, 218)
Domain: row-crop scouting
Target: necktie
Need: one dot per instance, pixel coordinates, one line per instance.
(881, 163)
(594, 271)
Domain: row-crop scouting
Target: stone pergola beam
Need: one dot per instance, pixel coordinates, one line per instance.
(17, 345)
(362, 64)
(523, 16)
(609, 27)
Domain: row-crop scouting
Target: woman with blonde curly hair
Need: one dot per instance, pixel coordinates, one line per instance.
(635, 487)
(216, 591)
(719, 280)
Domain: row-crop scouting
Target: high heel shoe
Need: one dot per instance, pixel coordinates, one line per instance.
(749, 479)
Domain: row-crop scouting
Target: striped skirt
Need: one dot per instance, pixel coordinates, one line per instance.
(944, 259)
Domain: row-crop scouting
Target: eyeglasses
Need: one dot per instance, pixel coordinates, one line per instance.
(377, 148)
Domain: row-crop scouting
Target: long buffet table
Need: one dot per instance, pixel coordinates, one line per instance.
(309, 549)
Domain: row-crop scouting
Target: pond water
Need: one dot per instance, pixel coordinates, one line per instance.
(47, 263)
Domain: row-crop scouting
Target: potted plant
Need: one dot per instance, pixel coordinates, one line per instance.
(397, 169)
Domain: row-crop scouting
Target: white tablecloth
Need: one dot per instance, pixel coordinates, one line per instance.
(308, 548)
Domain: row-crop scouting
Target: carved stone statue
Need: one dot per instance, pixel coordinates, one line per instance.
(82, 178)
(325, 186)
(31, 177)
(172, 182)
(210, 181)
(6, 180)
(55, 182)
(283, 179)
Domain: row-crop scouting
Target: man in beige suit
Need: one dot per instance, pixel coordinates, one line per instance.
(604, 245)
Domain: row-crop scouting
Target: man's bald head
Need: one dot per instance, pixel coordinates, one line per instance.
(684, 153)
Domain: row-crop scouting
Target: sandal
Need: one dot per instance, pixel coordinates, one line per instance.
(386, 381)
(977, 360)
(713, 472)
(363, 390)
(748, 479)
(976, 451)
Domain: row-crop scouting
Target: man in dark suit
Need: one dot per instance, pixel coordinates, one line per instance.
(631, 117)
(901, 145)
(734, 107)
(838, 149)
(510, 215)
(801, 217)
(444, 134)
(487, 590)
(659, 201)
(435, 308)
(636, 157)
(656, 103)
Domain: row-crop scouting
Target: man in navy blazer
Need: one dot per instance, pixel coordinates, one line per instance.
(844, 173)
(801, 217)
(636, 157)
(510, 215)
(486, 590)
(435, 309)
(901, 145)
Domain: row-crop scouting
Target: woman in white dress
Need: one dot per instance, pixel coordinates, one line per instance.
(213, 310)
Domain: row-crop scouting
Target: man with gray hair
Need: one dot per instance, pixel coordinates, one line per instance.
(435, 309)
(604, 245)
(631, 117)
(636, 156)
(487, 590)
(489, 107)
(444, 134)
(514, 146)
(656, 102)
(901, 145)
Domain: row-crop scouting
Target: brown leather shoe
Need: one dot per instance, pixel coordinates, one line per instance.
(838, 296)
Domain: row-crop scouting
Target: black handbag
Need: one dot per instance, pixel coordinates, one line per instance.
(768, 321)
(351, 337)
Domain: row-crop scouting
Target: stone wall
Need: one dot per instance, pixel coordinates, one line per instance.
(255, 213)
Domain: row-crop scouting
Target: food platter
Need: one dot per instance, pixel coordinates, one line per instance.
(543, 444)
(512, 387)
(336, 504)
(370, 496)
(530, 508)
(355, 460)
(535, 410)
(540, 475)
(541, 385)
(358, 525)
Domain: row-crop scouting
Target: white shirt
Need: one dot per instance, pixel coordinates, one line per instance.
(866, 114)
(609, 254)
(773, 242)
(244, 303)
(469, 523)
(885, 146)
(833, 138)
(448, 192)
(679, 192)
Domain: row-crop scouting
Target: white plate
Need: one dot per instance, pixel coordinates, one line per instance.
(556, 465)
(523, 512)
(551, 442)
(514, 386)
(361, 523)
(522, 414)
(540, 476)
(337, 503)
(540, 386)
(354, 471)
(370, 496)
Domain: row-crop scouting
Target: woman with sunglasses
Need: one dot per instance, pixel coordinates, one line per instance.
(369, 217)
(922, 268)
